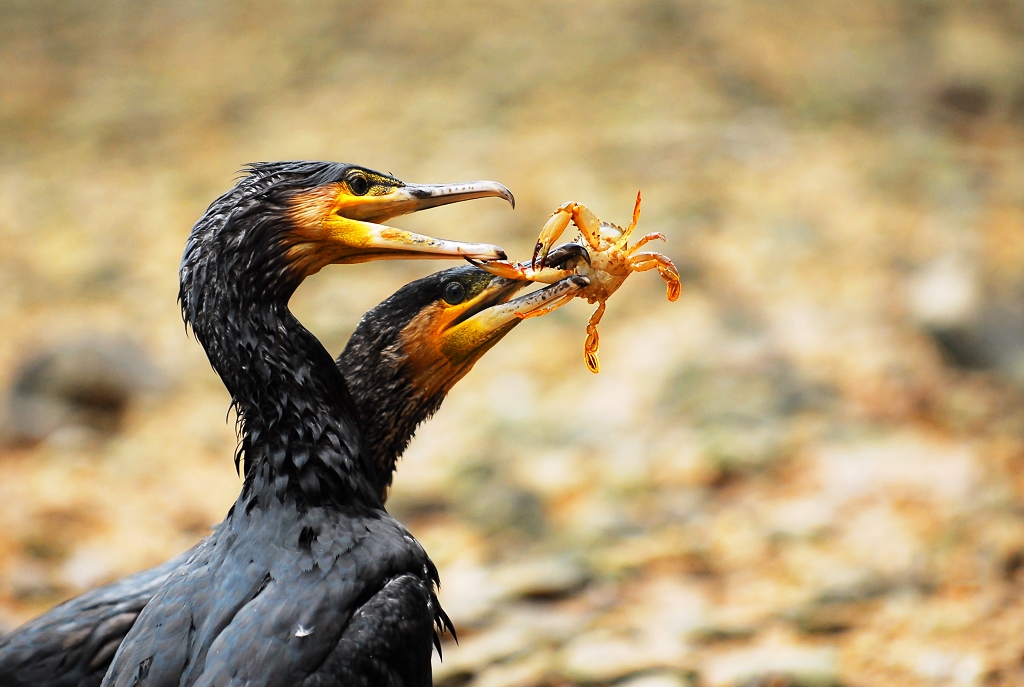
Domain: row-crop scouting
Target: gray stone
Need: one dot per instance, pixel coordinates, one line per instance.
(839, 608)
(87, 383)
(719, 632)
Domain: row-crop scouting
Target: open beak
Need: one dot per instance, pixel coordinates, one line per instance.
(333, 226)
(388, 243)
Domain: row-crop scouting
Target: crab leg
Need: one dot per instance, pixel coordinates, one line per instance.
(641, 262)
(632, 224)
(593, 340)
(645, 239)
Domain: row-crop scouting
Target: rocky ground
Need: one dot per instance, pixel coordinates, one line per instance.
(809, 470)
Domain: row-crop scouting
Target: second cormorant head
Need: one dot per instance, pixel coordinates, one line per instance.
(410, 350)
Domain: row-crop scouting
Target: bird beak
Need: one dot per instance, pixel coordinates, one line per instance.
(443, 342)
(332, 227)
(380, 242)
(491, 315)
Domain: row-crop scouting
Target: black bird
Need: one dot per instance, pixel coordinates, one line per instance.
(308, 580)
(400, 362)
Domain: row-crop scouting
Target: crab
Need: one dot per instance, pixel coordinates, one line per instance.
(606, 261)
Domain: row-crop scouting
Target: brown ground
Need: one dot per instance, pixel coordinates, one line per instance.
(810, 465)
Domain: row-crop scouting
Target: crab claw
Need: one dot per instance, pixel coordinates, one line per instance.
(560, 264)
(673, 287)
(593, 364)
(593, 342)
(552, 229)
(559, 256)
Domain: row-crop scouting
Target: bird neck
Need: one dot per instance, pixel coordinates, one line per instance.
(297, 424)
(389, 406)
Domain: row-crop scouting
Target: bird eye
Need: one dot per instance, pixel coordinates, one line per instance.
(358, 184)
(454, 293)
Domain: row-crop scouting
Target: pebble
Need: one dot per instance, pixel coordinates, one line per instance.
(85, 383)
(949, 667)
(29, 579)
(478, 651)
(547, 578)
(673, 604)
(85, 568)
(5, 626)
(467, 595)
(828, 617)
(945, 293)
(532, 671)
(604, 655)
(802, 518)
(659, 679)
(840, 607)
(905, 463)
(802, 666)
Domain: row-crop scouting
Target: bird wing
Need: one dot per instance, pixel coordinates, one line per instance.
(252, 608)
(355, 607)
(388, 640)
(282, 635)
(294, 635)
(72, 644)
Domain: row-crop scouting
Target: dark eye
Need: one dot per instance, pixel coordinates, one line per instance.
(358, 184)
(454, 293)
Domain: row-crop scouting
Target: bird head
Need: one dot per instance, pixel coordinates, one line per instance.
(284, 221)
(436, 328)
(340, 222)
(409, 351)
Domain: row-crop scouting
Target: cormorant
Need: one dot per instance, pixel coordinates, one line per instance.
(399, 363)
(308, 580)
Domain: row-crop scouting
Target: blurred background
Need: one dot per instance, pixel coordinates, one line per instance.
(809, 470)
